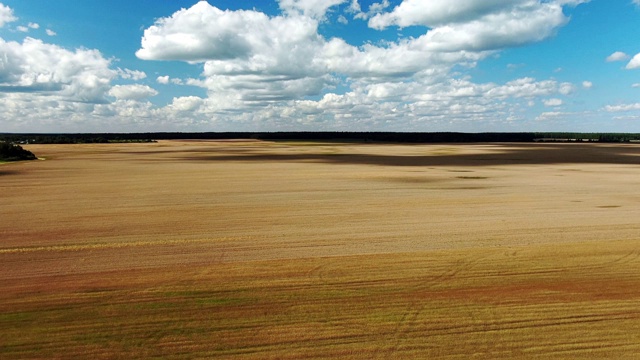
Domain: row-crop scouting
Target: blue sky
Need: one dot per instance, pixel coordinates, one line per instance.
(330, 65)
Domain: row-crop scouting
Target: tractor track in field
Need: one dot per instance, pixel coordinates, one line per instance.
(415, 308)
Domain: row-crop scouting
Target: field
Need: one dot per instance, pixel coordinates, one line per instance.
(288, 250)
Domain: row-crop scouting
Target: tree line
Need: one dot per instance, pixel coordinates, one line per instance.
(397, 137)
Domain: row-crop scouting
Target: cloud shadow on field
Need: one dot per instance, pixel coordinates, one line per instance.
(511, 154)
(8, 172)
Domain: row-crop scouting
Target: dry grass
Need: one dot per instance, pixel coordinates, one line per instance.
(254, 250)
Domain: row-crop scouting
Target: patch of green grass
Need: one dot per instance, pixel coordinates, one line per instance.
(19, 316)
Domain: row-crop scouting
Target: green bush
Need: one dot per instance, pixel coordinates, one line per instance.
(13, 152)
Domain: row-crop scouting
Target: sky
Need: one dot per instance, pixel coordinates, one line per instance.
(319, 65)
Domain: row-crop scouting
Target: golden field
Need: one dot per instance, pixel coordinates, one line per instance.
(289, 250)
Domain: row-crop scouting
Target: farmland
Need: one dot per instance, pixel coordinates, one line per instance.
(287, 250)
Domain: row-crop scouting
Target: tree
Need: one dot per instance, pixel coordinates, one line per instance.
(13, 152)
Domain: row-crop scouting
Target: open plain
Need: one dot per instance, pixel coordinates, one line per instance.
(260, 250)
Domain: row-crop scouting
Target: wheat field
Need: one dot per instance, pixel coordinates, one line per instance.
(288, 250)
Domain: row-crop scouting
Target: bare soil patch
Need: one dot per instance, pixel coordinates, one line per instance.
(254, 250)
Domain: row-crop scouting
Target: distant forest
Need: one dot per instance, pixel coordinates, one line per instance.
(391, 137)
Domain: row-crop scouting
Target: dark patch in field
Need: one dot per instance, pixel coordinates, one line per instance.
(529, 154)
(9, 172)
(470, 188)
(408, 179)
(609, 206)
(472, 177)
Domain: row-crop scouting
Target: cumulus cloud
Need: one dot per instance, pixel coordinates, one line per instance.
(634, 63)
(82, 75)
(312, 8)
(374, 9)
(552, 102)
(256, 67)
(132, 74)
(278, 72)
(551, 115)
(617, 56)
(251, 43)
(28, 27)
(438, 12)
(51, 32)
(132, 92)
(186, 103)
(248, 56)
(528, 88)
(204, 32)
(622, 107)
(6, 15)
(162, 79)
(476, 25)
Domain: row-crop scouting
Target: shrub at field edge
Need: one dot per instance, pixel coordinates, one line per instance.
(13, 152)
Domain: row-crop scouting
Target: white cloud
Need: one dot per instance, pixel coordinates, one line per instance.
(551, 115)
(476, 25)
(634, 63)
(572, 2)
(51, 32)
(166, 80)
(203, 32)
(312, 8)
(617, 56)
(132, 92)
(587, 84)
(552, 102)
(636, 85)
(186, 103)
(515, 66)
(34, 67)
(622, 107)
(374, 9)
(354, 7)
(28, 27)
(257, 68)
(507, 28)
(439, 12)
(566, 88)
(248, 57)
(132, 74)
(6, 15)
(265, 72)
(528, 88)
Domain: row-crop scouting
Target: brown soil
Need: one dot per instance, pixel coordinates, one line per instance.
(255, 250)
